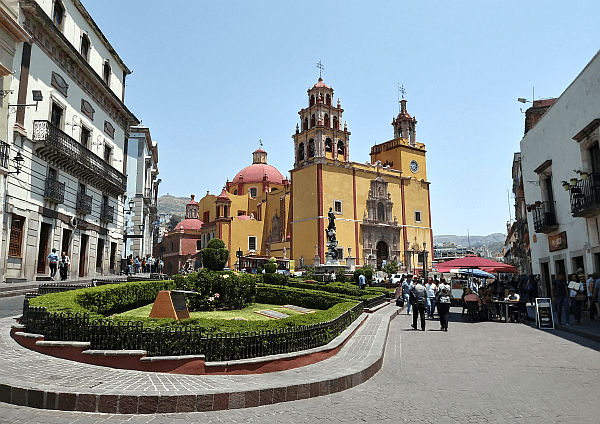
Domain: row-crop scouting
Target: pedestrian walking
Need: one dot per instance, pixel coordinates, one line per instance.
(420, 295)
(64, 263)
(443, 301)
(431, 289)
(53, 263)
(532, 289)
(161, 264)
(559, 289)
(407, 286)
(137, 264)
(577, 295)
(591, 282)
(362, 282)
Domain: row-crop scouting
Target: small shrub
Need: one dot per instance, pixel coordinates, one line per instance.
(271, 266)
(215, 255)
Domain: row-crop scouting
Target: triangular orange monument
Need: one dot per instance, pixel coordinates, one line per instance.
(171, 304)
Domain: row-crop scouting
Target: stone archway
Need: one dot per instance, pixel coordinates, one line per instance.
(382, 252)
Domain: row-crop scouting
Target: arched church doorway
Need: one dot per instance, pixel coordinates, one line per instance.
(382, 252)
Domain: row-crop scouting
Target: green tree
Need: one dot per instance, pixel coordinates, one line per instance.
(368, 272)
(271, 266)
(391, 267)
(214, 255)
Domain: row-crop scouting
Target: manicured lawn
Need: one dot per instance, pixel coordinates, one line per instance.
(247, 313)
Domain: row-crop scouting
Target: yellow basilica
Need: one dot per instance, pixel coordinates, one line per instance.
(382, 206)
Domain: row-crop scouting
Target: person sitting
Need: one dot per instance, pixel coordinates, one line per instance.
(512, 311)
(472, 297)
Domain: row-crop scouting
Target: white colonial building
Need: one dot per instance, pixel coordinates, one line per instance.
(68, 120)
(560, 161)
(142, 191)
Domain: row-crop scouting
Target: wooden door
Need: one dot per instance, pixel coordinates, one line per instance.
(82, 255)
(43, 248)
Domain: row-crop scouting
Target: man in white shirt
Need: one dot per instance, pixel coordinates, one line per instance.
(431, 289)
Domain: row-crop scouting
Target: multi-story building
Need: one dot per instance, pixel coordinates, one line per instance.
(68, 120)
(12, 35)
(560, 161)
(142, 226)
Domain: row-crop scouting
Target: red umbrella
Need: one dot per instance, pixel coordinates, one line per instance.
(476, 262)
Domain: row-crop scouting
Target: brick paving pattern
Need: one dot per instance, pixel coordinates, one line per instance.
(486, 372)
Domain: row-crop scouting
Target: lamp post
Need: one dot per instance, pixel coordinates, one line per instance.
(425, 261)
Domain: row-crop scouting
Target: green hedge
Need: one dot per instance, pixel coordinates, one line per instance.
(217, 290)
(346, 289)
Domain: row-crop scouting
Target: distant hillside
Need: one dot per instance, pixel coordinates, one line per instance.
(171, 204)
(473, 241)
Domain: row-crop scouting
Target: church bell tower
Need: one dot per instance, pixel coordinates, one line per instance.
(321, 136)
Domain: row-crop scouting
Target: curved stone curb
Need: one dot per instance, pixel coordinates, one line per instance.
(356, 362)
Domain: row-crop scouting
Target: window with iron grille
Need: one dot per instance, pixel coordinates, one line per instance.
(16, 236)
(251, 243)
(4, 154)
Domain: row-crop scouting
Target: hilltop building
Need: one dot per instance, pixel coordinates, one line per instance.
(382, 206)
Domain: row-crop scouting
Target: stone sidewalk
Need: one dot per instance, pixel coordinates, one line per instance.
(40, 381)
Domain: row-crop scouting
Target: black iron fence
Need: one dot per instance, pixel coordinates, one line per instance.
(585, 195)
(544, 218)
(166, 341)
(84, 203)
(107, 213)
(4, 154)
(54, 190)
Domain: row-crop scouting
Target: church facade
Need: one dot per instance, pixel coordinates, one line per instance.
(382, 207)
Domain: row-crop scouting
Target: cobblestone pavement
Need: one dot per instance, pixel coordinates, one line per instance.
(11, 306)
(487, 372)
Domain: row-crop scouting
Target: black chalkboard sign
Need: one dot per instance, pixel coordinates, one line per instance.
(543, 313)
(178, 299)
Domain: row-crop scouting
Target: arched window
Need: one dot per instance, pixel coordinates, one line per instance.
(253, 192)
(305, 127)
(58, 14)
(218, 211)
(312, 100)
(335, 123)
(380, 212)
(106, 71)
(225, 212)
(326, 120)
(235, 192)
(300, 152)
(328, 145)
(313, 121)
(311, 148)
(340, 147)
(198, 245)
(328, 99)
(85, 47)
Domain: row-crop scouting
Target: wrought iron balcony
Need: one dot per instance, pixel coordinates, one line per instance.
(54, 191)
(152, 206)
(4, 154)
(544, 218)
(58, 148)
(585, 197)
(84, 203)
(107, 213)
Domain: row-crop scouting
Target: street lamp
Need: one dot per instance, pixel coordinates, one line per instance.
(18, 160)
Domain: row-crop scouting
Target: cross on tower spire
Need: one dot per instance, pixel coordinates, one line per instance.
(401, 90)
(260, 142)
(321, 68)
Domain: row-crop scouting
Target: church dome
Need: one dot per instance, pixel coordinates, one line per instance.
(256, 172)
(189, 224)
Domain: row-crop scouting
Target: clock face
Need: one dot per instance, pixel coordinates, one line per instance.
(414, 166)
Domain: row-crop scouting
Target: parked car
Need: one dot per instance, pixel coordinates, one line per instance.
(396, 278)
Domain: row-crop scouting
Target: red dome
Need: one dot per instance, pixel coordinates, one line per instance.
(256, 172)
(189, 224)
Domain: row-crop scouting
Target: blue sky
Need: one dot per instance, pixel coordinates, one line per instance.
(212, 78)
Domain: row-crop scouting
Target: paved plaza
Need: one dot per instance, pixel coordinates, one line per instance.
(486, 372)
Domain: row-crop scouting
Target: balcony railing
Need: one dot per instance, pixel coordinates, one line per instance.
(4, 154)
(84, 203)
(585, 197)
(544, 218)
(107, 213)
(56, 147)
(54, 191)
